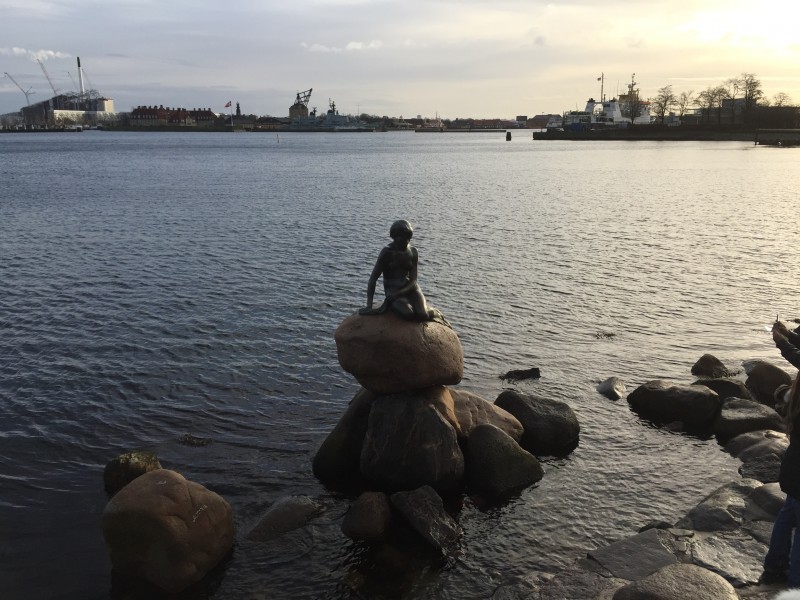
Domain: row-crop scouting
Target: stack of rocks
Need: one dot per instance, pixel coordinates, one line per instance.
(406, 429)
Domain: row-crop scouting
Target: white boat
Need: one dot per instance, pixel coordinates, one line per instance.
(617, 113)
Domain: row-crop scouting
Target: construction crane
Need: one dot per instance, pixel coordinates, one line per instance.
(72, 79)
(303, 97)
(27, 94)
(50, 81)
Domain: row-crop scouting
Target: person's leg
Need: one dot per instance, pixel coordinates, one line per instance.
(780, 542)
(794, 555)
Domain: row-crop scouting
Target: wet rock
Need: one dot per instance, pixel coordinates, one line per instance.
(757, 443)
(577, 583)
(765, 469)
(763, 379)
(733, 555)
(369, 517)
(726, 387)
(496, 464)
(634, 557)
(387, 354)
(550, 427)
(679, 582)
(167, 530)
(127, 467)
(710, 367)
(411, 441)
(695, 406)
(738, 416)
(423, 509)
(768, 498)
(722, 510)
(339, 455)
(519, 374)
(286, 514)
(471, 410)
(613, 388)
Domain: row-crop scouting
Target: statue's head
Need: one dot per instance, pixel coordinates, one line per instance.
(401, 229)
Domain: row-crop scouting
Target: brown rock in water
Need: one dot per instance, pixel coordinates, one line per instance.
(411, 442)
(167, 530)
(709, 366)
(127, 467)
(471, 411)
(369, 517)
(763, 379)
(496, 464)
(339, 455)
(387, 354)
(550, 426)
(662, 402)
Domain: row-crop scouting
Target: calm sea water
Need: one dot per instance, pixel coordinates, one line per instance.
(158, 285)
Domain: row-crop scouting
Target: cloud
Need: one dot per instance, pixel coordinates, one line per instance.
(33, 54)
(350, 47)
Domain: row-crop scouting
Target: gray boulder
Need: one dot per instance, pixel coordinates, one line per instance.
(724, 509)
(726, 387)
(127, 467)
(550, 427)
(735, 556)
(423, 509)
(339, 455)
(768, 498)
(411, 442)
(763, 379)
(679, 582)
(634, 557)
(765, 469)
(757, 443)
(613, 388)
(694, 405)
(709, 367)
(369, 517)
(286, 514)
(496, 464)
(738, 416)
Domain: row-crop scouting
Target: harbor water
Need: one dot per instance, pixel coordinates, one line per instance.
(159, 287)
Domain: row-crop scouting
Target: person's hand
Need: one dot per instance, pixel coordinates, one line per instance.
(777, 336)
(780, 328)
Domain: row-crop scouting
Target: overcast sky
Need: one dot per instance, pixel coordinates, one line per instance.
(457, 58)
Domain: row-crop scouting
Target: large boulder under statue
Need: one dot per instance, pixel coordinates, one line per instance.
(388, 354)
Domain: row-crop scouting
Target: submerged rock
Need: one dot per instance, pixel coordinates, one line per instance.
(127, 467)
(613, 388)
(424, 510)
(369, 517)
(285, 514)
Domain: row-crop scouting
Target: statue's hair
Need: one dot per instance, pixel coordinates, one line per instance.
(401, 227)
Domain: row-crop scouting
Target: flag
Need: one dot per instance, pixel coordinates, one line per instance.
(228, 105)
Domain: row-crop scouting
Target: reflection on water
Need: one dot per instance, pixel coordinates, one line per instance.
(164, 285)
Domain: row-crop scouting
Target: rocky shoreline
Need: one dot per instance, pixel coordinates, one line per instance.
(409, 446)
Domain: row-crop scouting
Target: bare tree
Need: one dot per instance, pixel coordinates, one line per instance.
(683, 102)
(663, 102)
(707, 99)
(752, 93)
(781, 99)
(631, 103)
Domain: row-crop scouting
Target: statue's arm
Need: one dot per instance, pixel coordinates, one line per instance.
(373, 278)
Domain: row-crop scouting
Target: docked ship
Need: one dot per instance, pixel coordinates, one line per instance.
(626, 110)
(301, 119)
